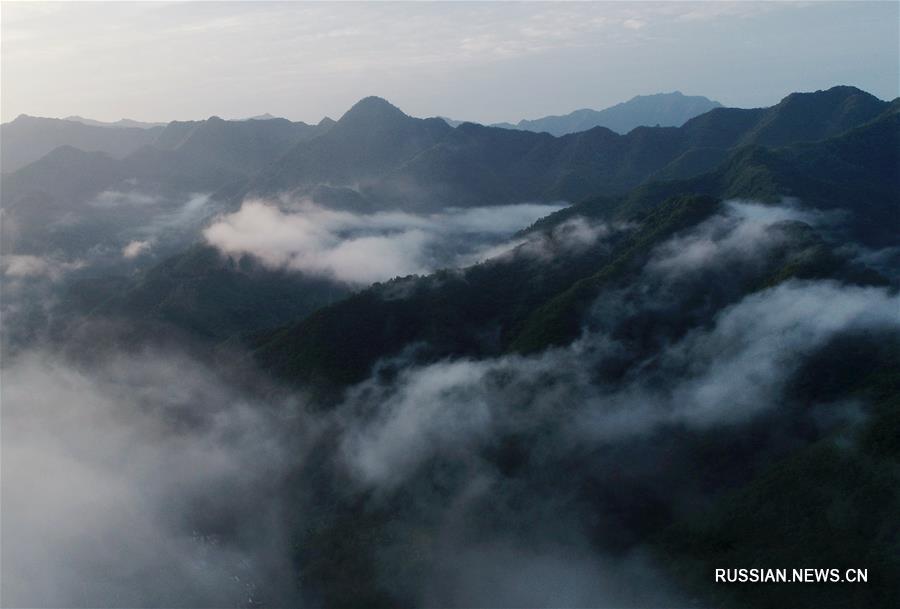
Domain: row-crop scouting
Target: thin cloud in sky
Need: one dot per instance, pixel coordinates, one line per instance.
(478, 61)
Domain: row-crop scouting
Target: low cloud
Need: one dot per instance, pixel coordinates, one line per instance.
(135, 249)
(736, 370)
(364, 248)
(543, 479)
(572, 236)
(144, 480)
(23, 266)
(156, 479)
(724, 375)
(745, 233)
(717, 361)
(116, 198)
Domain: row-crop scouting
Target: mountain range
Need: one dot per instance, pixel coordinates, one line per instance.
(123, 122)
(660, 110)
(422, 163)
(692, 363)
(377, 155)
(555, 298)
(536, 305)
(28, 138)
(783, 151)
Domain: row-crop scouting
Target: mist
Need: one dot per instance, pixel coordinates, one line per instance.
(450, 305)
(142, 480)
(476, 445)
(156, 476)
(362, 248)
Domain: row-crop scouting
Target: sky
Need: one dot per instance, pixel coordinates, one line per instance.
(485, 62)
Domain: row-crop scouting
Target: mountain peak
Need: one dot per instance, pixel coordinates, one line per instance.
(660, 95)
(372, 108)
(839, 92)
(25, 118)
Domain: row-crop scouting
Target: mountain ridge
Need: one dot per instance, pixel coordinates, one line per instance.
(27, 138)
(658, 109)
(544, 305)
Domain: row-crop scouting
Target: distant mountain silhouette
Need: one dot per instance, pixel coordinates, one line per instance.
(190, 155)
(28, 138)
(66, 173)
(260, 117)
(455, 123)
(123, 122)
(244, 147)
(377, 157)
(661, 109)
(183, 159)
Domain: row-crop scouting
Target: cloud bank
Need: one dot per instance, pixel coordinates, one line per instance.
(364, 248)
(724, 375)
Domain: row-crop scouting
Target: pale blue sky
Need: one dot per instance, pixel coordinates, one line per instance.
(478, 61)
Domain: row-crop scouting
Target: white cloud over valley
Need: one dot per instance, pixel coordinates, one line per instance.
(364, 248)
